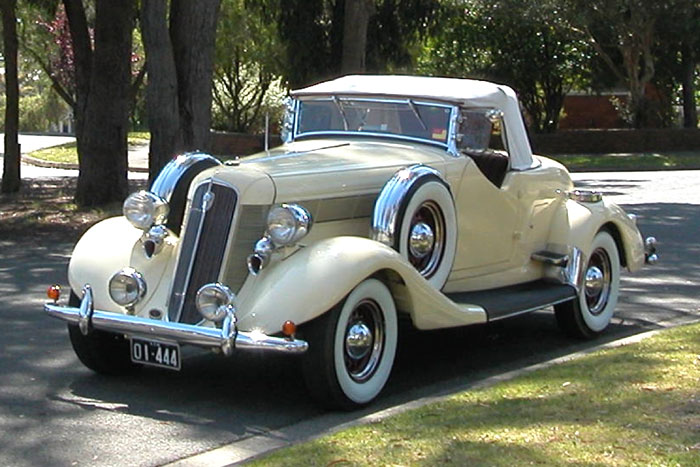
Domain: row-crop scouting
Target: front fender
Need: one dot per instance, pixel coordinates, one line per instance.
(317, 277)
(577, 223)
(107, 247)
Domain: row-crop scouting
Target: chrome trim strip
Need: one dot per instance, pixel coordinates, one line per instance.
(187, 251)
(573, 273)
(585, 196)
(452, 133)
(550, 258)
(225, 339)
(167, 179)
(388, 204)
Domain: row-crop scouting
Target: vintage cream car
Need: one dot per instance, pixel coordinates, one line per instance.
(386, 201)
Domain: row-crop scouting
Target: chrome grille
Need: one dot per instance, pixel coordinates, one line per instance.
(203, 244)
(250, 227)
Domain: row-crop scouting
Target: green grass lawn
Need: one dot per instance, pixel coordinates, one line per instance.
(633, 405)
(635, 161)
(67, 153)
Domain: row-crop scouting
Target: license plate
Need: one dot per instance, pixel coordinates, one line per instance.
(155, 353)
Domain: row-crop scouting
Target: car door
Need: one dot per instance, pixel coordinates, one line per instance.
(498, 209)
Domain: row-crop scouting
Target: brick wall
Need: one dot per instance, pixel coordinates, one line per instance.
(590, 112)
(238, 144)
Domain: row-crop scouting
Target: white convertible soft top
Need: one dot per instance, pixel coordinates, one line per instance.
(464, 92)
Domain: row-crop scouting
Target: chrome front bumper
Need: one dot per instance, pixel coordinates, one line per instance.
(225, 339)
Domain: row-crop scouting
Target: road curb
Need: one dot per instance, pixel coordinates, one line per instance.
(257, 445)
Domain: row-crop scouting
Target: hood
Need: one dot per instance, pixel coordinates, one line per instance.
(316, 168)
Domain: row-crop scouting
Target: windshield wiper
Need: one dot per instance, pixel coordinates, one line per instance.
(413, 107)
(336, 101)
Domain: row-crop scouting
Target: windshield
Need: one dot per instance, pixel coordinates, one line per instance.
(404, 118)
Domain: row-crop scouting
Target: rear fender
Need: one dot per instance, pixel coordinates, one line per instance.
(317, 277)
(577, 223)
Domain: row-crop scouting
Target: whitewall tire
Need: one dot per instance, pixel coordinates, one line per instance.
(427, 236)
(352, 348)
(590, 313)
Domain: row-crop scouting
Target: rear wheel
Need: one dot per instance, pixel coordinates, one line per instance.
(352, 348)
(102, 352)
(590, 313)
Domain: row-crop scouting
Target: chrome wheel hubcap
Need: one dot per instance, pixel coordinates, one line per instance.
(358, 340)
(364, 341)
(426, 239)
(594, 280)
(422, 240)
(597, 281)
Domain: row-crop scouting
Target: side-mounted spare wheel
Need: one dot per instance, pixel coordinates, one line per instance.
(427, 236)
(352, 348)
(590, 313)
(415, 214)
(102, 352)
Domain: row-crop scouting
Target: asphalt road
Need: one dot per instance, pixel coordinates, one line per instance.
(55, 412)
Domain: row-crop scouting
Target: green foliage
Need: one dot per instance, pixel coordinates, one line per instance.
(529, 46)
(625, 34)
(39, 105)
(395, 33)
(312, 36)
(38, 111)
(247, 68)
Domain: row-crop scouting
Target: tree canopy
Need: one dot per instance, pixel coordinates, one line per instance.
(223, 63)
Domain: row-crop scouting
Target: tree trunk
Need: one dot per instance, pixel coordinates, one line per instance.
(103, 161)
(82, 54)
(11, 162)
(356, 21)
(690, 111)
(193, 33)
(161, 90)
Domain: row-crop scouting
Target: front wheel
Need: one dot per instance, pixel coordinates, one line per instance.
(102, 352)
(590, 313)
(352, 348)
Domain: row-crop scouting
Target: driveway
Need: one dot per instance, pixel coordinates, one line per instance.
(138, 157)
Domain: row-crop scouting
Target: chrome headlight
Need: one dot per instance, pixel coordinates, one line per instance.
(287, 224)
(215, 301)
(145, 209)
(127, 287)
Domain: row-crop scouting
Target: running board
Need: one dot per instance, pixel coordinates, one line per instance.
(516, 299)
